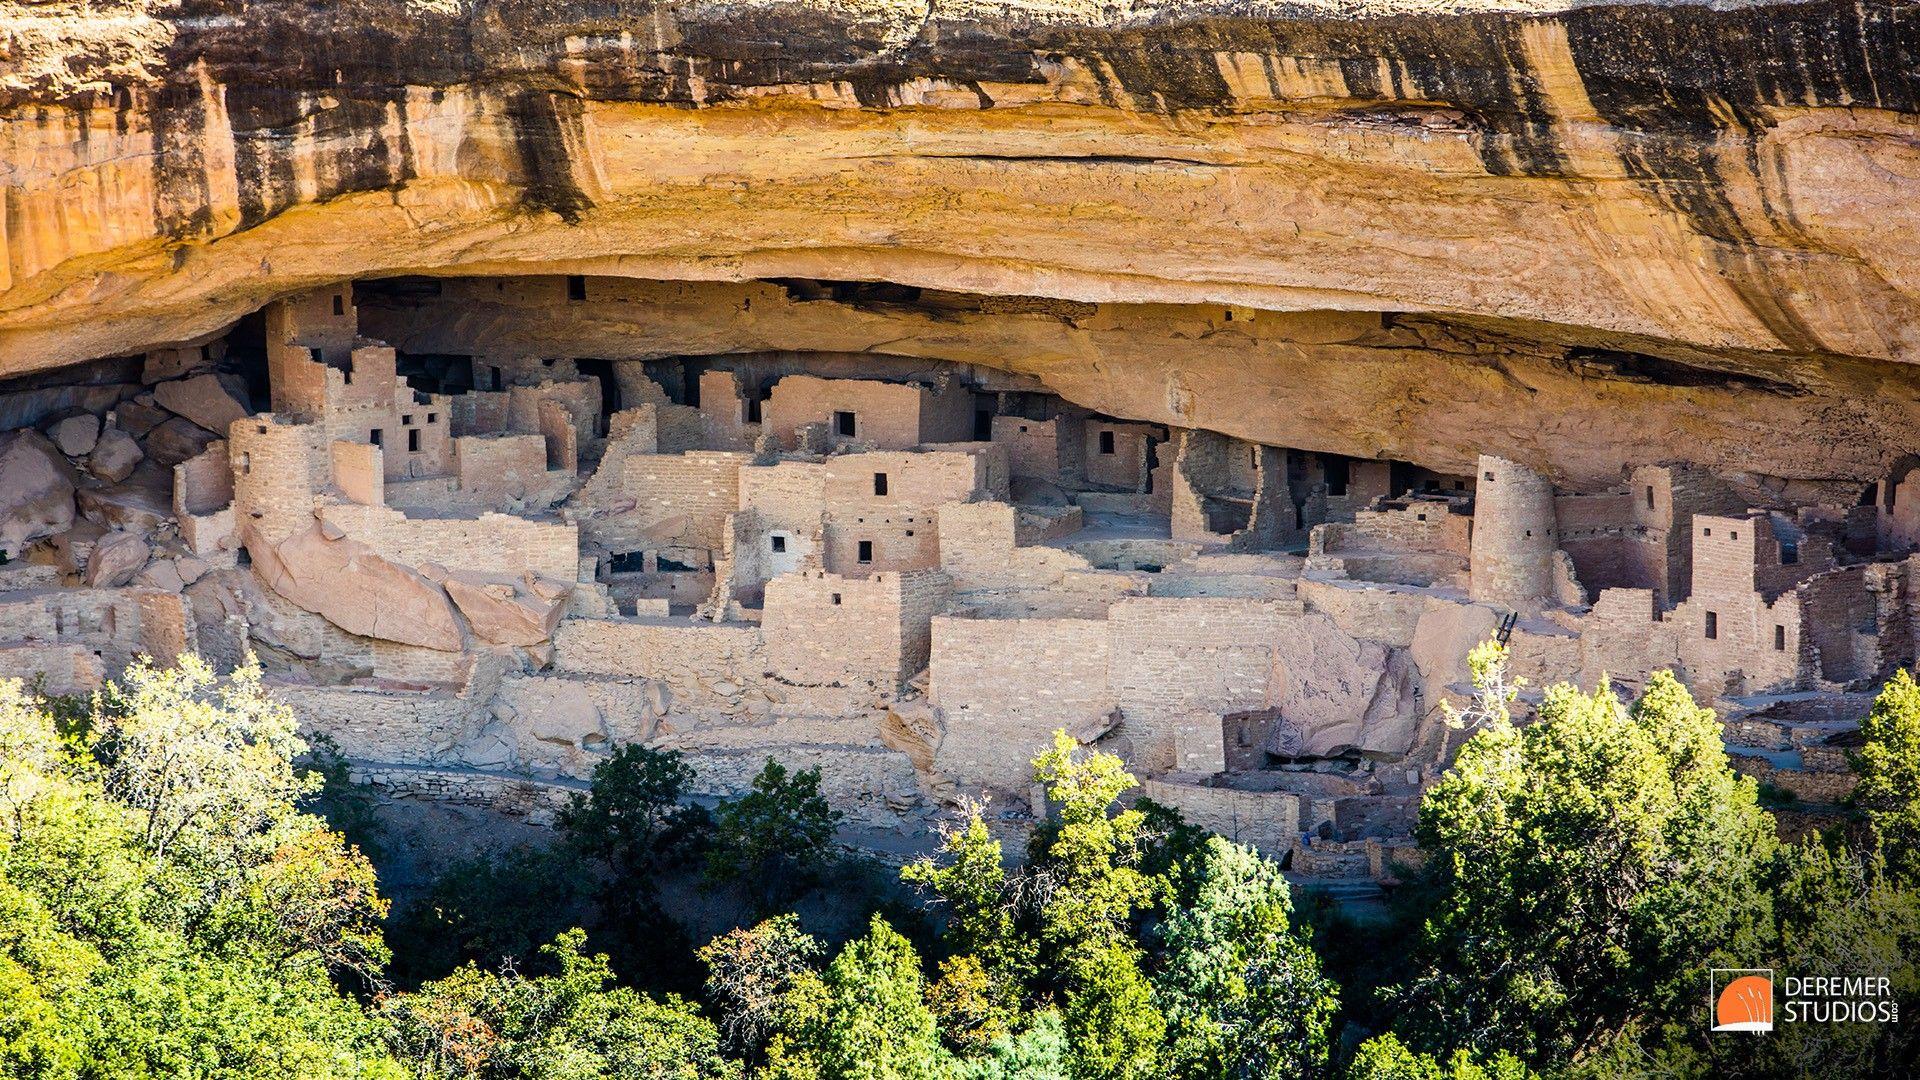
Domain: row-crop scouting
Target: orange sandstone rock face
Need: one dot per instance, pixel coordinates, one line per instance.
(1578, 238)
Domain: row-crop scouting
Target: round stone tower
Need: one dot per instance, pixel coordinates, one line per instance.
(1515, 546)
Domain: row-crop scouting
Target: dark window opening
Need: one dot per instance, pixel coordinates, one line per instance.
(246, 464)
(674, 566)
(1421, 517)
(495, 378)
(753, 410)
(879, 483)
(779, 544)
(339, 305)
(206, 352)
(576, 287)
(1339, 474)
(983, 425)
(433, 418)
(374, 436)
(1779, 638)
(406, 419)
(1789, 553)
(413, 440)
(836, 599)
(1649, 498)
(866, 551)
(1706, 532)
(1734, 535)
(627, 562)
(1106, 442)
(1713, 625)
(843, 423)
(1489, 477)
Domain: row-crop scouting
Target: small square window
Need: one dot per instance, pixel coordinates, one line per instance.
(1734, 534)
(407, 419)
(844, 424)
(1421, 517)
(1779, 638)
(576, 287)
(413, 440)
(779, 544)
(1106, 442)
(1023, 429)
(433, 418)
(866, 551)
(374, 436)
(836, 599)
(1713, 625)
(339, 304)
(879, 483)
(1489, 477)
(1706, 532)
(909, 532)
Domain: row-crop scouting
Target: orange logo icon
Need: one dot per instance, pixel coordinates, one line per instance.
(1744, 1001)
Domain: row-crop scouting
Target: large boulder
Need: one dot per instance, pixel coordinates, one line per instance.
(137, 417)
(177, 440)
(116, 558)
(140, 503)
(114, 456)
(212, 401)
(1339, 693)
(76, 434)
(508, 611)
(345, 582)
(36, 490)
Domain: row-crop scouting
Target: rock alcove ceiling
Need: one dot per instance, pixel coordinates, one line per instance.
(1582, 237)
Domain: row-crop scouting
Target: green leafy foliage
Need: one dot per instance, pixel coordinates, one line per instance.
(1588, 865)
(634, 819)
(1241, 988)
(1889, 767)
(750, 974)
(776, 839)
(571, 1025)
(866, 1018)
(165, 908)
(488, 910)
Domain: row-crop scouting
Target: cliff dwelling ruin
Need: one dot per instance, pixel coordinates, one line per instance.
(1205, 389)
(477, 569)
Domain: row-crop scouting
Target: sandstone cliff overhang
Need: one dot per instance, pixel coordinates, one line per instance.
(1728, 189)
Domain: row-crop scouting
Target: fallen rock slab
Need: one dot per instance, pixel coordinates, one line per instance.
(76, 435)
(114, 456)
(345, 582)
(505, 610)
(36, 490)
(177, 440)
(116, 559)
(212, 401)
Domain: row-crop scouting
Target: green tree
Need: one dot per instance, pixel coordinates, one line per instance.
(1038, 1053)
(571, 1025)
(1241, 988)
(750, 974)
(632, 818)
(864, 1019)
(1087, 858)
(1385, 1057)
(1086, 867)
(488, 910)
(162, 918)
(978, 994)
(776, 838)
(1889, 768)
(1586, 866)
(1112, 1023)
